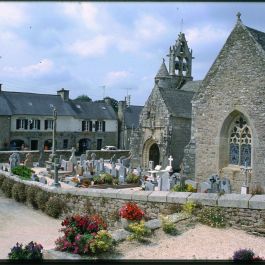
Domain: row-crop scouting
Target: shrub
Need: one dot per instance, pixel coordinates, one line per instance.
(97, 180)
(132, 178)
(106, 178)
(32, 251)
(131, 211)
(169, 227)
(23, 172)
(84, 234)
(189, 207)
(243, 254)
(54, 207)
(41, 198)
(7, 187)
(18, 192)
(139, 231)
(31, 193)
(186, 188)
(212, 216)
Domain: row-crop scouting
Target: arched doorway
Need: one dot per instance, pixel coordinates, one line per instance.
(84, 144)
(154, 154)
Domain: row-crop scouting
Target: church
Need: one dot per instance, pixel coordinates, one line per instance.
(213, 126)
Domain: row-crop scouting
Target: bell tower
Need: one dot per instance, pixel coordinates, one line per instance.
(180, 62)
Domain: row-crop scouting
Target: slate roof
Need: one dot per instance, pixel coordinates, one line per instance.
(162, 72)
(178, 102)
(21, 103)
(93, 110)
(192, 86)
(132, 115)
(259, 36)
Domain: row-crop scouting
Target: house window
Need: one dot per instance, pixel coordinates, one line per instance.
(34, 124)
(100, 126)
(48, 124)
(240, 142)
(65, 143)
(21, 124)
(87, 126)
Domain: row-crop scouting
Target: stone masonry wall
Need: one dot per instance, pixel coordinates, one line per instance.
(242, 211)
(234, 85)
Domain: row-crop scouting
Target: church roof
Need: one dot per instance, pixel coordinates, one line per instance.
(132, 115)
(192, 86)
(162, 72)
(259, 36)
(178, 102)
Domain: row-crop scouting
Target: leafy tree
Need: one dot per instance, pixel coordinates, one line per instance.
(84, 98)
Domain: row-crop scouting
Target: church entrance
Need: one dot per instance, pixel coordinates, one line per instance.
(154, 154)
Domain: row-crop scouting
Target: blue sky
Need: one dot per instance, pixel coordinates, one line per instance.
(82, 46)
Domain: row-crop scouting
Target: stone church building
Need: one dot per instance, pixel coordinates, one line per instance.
(220, 120)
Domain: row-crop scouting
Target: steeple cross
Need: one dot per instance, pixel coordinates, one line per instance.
(238, 16)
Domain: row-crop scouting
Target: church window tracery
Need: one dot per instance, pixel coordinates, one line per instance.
(240, 142)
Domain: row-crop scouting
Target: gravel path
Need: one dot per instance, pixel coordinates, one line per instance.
(19, 223)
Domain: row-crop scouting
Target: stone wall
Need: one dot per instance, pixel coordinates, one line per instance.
(242, 211)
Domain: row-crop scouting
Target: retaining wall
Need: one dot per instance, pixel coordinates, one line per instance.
(245, 212)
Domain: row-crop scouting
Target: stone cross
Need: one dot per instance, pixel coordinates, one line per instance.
(246, 170)
(170, 159)
(73, 157)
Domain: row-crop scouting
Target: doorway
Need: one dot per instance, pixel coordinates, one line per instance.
(154, 154)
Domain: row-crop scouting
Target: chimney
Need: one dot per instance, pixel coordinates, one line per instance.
(0, 87)
(64, 94)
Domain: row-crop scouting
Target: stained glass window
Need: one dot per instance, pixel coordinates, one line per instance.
(240, 143)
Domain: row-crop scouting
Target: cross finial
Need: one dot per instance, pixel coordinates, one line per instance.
(163, 59)
(238, 16)
(170, 159)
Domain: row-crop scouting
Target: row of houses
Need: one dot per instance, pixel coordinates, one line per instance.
(27, 121)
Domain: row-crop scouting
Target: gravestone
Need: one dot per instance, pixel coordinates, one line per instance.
(82, 159)
(139, 171)
(12, 161)
(225, 185)
(28, 162)
(101, 165)
(113, 159)
(43, 180)
(93, 156)
(182, 181)
(79, 169)
(73, 157)
(34, 177)
(63, 164)
(41, 159)
(205, 187)
(122, 174)
(97, 166)
(215, 181)
(69, 166)
(149, 186)
(164, 182)
(151, 165)
(158, 167)
(113, 170)
(126, 161)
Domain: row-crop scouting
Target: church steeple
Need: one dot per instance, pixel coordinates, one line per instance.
(180, 60)
(162, 72)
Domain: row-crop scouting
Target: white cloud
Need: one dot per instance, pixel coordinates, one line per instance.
(12, 14)
(43, 67)
(116, 77)
(92, 47)
(207, 34)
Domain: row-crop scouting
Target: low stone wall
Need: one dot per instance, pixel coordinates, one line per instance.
(242, 211)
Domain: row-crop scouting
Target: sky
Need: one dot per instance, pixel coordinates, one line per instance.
(109, 48)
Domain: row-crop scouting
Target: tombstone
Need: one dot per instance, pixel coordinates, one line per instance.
(97, 166)
(83, 159)
(69, 166)
(93, 157)
(205, 187)
(122, 174)
(41, 159)
(113, 159)
(28, 162)
(215, 181)
(113, 170)
(121, 159)
(126, 162)
(173, 181)
(151, 165)
(148, 186)
(34, 177)
(73, 157)
(12, 161)
(17, 156)
(225, 185)
(61, 157)
(139, 171)
(101, 165)
(182, 182)
(43, 180)
(164, 182)
(158, 167)
(79, 169)
(63, 164)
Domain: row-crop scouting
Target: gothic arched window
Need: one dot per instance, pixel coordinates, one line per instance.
(240, 142)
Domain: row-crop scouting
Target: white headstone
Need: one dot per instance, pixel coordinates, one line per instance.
(164, 182)
(149, 186)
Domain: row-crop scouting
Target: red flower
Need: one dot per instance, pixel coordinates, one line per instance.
(131, 212)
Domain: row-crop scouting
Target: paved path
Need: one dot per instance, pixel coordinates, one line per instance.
(20, 223)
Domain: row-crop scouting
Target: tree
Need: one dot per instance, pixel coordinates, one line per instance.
(84, 98)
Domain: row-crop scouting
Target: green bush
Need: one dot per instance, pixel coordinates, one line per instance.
(97, 180)
(54, 207)
(2, 178)
(139, 231)
(169, 227)
(186, 188)
(107, 178)
(189, 207)
(19, 192)
(23, 172)
(132, 178)
(103, 242)
(212, 216)
(31, 193)
(41, 199)
(7, 187)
